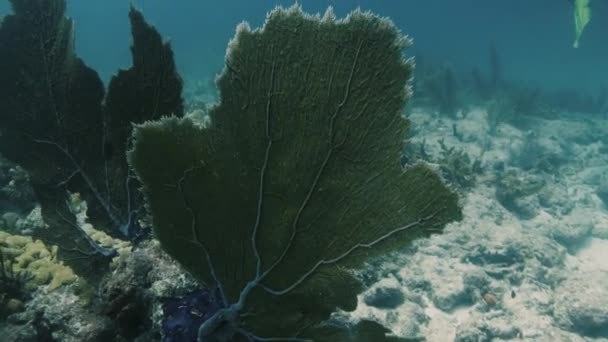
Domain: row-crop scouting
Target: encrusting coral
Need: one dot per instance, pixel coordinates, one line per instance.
(37, 259)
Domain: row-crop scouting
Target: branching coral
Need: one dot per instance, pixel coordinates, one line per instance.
(457, 167)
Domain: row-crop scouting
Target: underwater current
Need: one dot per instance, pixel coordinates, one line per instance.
(309, 170)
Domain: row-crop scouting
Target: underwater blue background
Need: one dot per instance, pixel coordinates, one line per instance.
(533, 38)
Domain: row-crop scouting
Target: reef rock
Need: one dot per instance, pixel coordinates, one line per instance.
(581, 304)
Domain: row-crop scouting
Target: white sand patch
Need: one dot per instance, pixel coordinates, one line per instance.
(592, 257)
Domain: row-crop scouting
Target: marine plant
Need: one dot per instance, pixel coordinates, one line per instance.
(296, 180)
(456, 166)
(59, 124)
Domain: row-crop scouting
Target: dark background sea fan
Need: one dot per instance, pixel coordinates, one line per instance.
(296, 180)
(55, 124)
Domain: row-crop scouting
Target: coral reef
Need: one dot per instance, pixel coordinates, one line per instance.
(183, 315)
(16, 194)
(385, 298)
(284, 202)
(514, 190)
(128, 305)
(581, 304)
(457, 167)
(134, 295)
(526, 261)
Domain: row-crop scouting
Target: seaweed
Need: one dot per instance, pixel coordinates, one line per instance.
(56, 125)
(296, 180)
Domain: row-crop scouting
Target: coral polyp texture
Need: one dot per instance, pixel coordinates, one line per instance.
(296, 180)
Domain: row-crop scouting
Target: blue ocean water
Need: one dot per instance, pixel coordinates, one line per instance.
(534, 38)
(505, 110)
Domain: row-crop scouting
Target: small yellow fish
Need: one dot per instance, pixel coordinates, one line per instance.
(582, 16)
